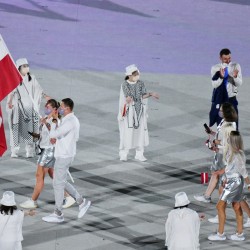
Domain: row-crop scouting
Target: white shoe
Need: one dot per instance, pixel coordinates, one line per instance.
(69, 201)
(214, 219)
(247, 224)
(53, 218)
(123, 158)
(202, 197)
(236, 237)
(83, 208)
(140, 158)
(29, 155)
(217, 236)
(29, 204)
(14, 155)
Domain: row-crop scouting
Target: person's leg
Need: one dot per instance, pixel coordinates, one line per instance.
(139, 154)
(221, 208)
(51, 172)
(123, 153)
(212, 184)
(59, 180)
(29, 150)
(40, 174)
(239, 216)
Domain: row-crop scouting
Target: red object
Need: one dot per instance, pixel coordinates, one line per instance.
(204, 178)
(10, 78)
(3, 145)
(124, 110)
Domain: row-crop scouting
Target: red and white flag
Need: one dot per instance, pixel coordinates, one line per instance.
(10, 78)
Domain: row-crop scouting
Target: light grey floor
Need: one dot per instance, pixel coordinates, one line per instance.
(130, 201)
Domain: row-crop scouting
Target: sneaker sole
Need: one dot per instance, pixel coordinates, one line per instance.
(82, 213)
(52, 221)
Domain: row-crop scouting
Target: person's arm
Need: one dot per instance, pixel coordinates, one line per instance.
(217, 78)
(29, 212)
(153, 94)
(237, 75)
(61, 131)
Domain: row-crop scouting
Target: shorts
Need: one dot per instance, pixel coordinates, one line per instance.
(47, 159)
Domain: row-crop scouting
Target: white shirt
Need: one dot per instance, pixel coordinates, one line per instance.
(182, 229)
(45, 135)
(231, 89)
(66, 135)
(11, 226)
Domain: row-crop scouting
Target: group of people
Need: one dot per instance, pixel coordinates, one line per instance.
(228, 169)
(57, 132)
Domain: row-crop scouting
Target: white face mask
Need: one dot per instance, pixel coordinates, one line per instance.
(25, 70)
(136, 78)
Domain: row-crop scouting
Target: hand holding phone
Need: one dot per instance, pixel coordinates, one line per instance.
(207, 129)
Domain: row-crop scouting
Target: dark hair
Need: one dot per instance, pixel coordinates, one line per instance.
(229, 112)
(181, 207)
(225, 52)
(53, 103)
(7, 209)
(68, 103)
(29, 76)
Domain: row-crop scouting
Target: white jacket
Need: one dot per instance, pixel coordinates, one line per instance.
(182, 229)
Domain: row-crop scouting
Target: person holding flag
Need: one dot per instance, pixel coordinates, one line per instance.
(23, 106)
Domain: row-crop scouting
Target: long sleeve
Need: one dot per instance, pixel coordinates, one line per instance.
(168, 230)
(216, 82)
(238, 79)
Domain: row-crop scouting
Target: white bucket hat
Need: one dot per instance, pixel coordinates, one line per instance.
(8, 199)
(181, 199)
(21, 61)
(130, 69)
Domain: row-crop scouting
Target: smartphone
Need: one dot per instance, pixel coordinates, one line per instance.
(208, 130)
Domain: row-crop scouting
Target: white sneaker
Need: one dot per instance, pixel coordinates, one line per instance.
(69, 201)
(14, 155)
(214, 219)
(123, 158)
(140, 158)
(236, 237)
(247, 224)
(53, 218)
(29, 155)
(202, 197)
(29, 204)
(217, 236)
(83, 208)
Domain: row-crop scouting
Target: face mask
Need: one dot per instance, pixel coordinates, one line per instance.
(61, 111)
(136, 78)
(25, 70)
(47, 111)
(220, 114)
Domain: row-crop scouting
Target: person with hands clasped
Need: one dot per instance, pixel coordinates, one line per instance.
(226, 78)
(132, 115)
(236, 173)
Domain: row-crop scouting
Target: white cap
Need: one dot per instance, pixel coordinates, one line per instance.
(21, 61)
(181, 199)
(8, 199)
(130, 69)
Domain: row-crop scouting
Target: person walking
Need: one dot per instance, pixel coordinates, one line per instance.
(65, 135)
